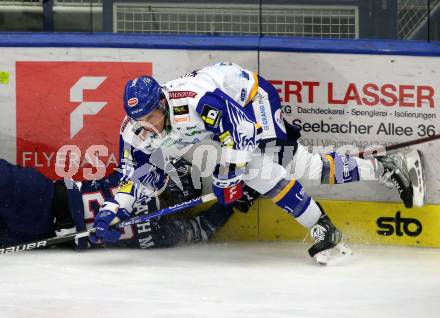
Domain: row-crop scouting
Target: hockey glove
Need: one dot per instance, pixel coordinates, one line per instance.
(244, 203)
(227, 184)
(185, 189)
(104, 219)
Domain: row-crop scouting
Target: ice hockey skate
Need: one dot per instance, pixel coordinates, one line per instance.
(404, 171)
(326, 239)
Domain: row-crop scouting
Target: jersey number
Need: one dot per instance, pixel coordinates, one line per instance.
(91, 202)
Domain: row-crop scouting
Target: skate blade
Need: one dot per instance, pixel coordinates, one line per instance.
(322, 257)
(415, 166)
(331, 255)
(343, 249)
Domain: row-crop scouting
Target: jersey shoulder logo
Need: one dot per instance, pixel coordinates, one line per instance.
(210, 115)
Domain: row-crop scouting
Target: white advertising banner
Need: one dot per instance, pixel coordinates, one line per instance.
(344, 102)
(58, 96)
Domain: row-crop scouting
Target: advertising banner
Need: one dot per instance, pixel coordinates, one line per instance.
(53, 97)
(349, 102)
(75, 105)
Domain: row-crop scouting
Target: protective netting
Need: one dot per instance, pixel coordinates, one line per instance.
(412, 14)
(286, 20)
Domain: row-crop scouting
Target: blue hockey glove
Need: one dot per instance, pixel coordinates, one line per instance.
(104, 219)
(227, 184)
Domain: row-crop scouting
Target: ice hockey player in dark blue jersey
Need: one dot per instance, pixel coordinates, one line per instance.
(33, 207)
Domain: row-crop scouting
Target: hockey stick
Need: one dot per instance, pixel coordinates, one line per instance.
(135, 220)
(402, 145)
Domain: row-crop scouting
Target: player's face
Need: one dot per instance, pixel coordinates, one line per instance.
(153, 121)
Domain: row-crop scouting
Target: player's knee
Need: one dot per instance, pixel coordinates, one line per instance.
(339, 168)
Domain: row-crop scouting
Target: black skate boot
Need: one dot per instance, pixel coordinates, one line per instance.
(405, 173)
(326, 237)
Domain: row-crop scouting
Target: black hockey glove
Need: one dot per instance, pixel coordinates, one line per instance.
(173, 193)
(247, 200)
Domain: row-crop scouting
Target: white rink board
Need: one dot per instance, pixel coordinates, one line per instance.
(339, 69)
(321, 81)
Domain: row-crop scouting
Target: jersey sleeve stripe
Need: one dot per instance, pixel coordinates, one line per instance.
(254, 89)
(332, 169)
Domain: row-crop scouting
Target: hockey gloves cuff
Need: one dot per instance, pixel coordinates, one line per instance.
(104, 219)
(227, 183)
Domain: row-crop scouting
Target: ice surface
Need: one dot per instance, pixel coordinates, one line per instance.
(220, 280)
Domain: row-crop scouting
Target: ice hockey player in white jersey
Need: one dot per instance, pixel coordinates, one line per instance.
(242, 111)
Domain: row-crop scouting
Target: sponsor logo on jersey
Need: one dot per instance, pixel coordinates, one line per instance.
(181, 110)
(125, 187)
(182, 94)
(210, 115)
(226, 139)
(181, 119)
(124, 124)
(264, 115)
(192, 133)
(399, 225)
(132, 102)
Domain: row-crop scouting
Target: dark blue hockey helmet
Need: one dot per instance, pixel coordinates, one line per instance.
(141, 96)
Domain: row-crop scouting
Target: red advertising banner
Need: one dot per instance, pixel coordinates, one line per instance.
(75, 107)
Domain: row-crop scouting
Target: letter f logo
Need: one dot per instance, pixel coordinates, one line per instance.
(84, 108)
